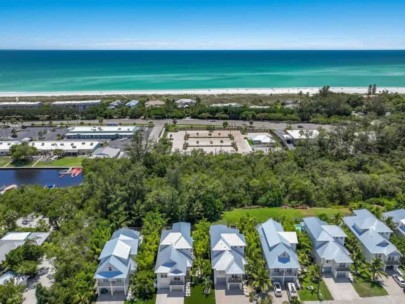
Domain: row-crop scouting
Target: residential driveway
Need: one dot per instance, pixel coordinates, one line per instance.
(45, 277)
(279, 300)
(117, 298)
(393, 288)
(341, 289)
(232, 296)
(166, 297)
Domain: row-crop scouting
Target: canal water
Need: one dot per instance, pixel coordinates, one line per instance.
(42, 177)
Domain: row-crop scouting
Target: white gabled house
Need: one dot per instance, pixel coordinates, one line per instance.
(175, 257)
(374, 237)
(279, 251)
(328, 247)
(398, 218)
(227, 255)
(117, 261)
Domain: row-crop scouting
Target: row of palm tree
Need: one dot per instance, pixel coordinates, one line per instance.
(256, 270)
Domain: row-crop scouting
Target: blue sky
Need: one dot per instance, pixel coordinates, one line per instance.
(207, 24)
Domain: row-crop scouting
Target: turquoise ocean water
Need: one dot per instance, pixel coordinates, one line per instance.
(52, 71)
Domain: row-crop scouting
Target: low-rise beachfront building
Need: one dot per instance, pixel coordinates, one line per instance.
(114, 104)
(5, 147)
(226, 105)
(132, 104)
(261, 139)
(296, 136)
(398, 219)
(227, 256)
(154, 104)
(185, 103)
(175, 257)
(328, 247)
(20, 105)
(258, 107)
(117, 261)
(12, 240)
(279, 251)
(45, 147)
(106, 152)
(67, 147)
(101, 132)
(80, 105)
(374, 237)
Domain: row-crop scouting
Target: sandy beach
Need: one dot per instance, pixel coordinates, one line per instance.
(262, 91)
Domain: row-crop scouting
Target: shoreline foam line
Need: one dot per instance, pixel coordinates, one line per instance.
(261, 91)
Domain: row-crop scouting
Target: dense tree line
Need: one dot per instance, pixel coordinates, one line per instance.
(359, 162)
(323, 107)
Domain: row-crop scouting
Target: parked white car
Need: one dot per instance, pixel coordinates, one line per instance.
(277, 289)
(400, 281)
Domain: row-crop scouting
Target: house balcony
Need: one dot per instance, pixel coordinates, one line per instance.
(392, 262)
(234, 280)
(109, 284)
(344, 268)
(176, 283)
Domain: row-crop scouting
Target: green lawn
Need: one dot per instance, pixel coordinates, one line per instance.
(366, 288)
(198, 296)
(4, 160)
(263, 214)
(62, 162)
(20, 164)
(311, 295)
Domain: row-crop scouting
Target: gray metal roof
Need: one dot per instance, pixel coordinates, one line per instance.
(277, 250)
(106, 152)
(396, 215)
(227, 249)
(132, 103)
(323, 238)
(174, 256)
(370, 235)
(116, 258)
(12, 240)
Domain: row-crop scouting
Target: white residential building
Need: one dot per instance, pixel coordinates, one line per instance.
(117, 261)
(79, 105)
(227, 256)
(328, 247)
(68, 147)
(398, 218)
(175, 257)
(279, 251)
(374, 237)
(185, 103)
(12, 240)
(20, 105)
(101, 132)
(296, 136)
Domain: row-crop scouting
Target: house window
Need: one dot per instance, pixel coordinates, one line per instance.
(342, 265)
(119, 280)
(234, 276)
(176, 279)
(289, 270)
(105, 280)
(109, 268)
(163, 275)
